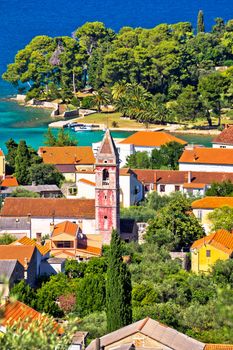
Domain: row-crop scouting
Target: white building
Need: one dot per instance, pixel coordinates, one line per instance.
(225, 139)
(202, 208)
(141, 141)
(207, 159)
(131, 190)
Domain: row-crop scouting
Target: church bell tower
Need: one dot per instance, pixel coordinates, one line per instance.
(107, 203)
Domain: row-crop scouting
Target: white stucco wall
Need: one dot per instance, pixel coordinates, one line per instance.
(202, 215)
(218, 145)
(43, 225)
(206, 167)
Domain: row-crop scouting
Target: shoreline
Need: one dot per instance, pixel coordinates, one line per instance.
(174, 128)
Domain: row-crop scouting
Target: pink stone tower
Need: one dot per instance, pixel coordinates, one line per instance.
(107, 203)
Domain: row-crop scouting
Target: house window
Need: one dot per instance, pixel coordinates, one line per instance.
(208, 253)
(105, 217)
(73, 191)
(64, 244)
(105, 178)
(199, 214)
(177, 188)
(162, 188)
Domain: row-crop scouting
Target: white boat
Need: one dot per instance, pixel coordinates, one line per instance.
(83, 127)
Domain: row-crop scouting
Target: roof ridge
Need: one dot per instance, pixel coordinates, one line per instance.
(144, 323)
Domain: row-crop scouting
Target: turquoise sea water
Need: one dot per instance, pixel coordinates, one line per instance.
(21, 20)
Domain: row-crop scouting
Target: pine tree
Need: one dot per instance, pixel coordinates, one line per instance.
(200, 22)
(11, 154)
(118, 287)
(22, 163)
(50, 139)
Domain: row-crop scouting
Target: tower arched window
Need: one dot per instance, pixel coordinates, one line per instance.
(105, 177)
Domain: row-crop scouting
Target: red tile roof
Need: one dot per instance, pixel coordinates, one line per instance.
(220, 239)
(1, 153)
(15, 311)
(49, 207)
(204, 155)
(67, 155)
(10, 181)
(43, 249)
(179, 177)
(151, 139)
(17, 252)
(226, 136)
(212, 202)
(67, 227)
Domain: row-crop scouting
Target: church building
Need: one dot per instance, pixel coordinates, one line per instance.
(37, 217)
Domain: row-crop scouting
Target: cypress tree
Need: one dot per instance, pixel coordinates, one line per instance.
(118, 287)
(200, 22)
(22, 163)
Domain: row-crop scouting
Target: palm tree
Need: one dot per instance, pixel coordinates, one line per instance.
(100, 98)
(119, 89)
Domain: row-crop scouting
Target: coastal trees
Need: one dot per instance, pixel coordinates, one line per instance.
(118, 287)
(63, 138)
(11, 146)
(200, 22)
(212, 88)
(22, 163)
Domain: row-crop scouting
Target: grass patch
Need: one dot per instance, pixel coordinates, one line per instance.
(109, 118)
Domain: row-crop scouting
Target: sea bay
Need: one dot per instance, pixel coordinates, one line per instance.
(22, 20)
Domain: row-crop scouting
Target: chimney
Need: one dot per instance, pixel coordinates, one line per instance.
(25, 268)
(97, 344)
(155, 181)
(189, 177)
(51, 227)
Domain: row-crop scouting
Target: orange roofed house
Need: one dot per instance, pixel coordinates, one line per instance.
(149, 334)
(142, 141)
(207, 250)
(68, 241)
(202, 208)
(225, 139)
(17, 312)
(68, 159)
(207, 159)
(42, 214)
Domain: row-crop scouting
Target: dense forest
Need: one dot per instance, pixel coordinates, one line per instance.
(167, 73)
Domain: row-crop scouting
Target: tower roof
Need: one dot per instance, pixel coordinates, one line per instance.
(107, 149)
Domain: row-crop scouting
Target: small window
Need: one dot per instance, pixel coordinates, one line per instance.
(177, 188)
(208, 253)
(223, 147)
(38, 236)
(162, 188)
(105, 217)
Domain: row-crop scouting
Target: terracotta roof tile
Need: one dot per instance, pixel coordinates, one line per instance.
(220, 239)
(219, 347)
(212, 202)
(43, 249)
(10, 181)
(168, 337)
(204, 155)
(67, 155)
(193, 185)
(16, 311)
(179, 177)
(67, 227)
(151, 139)
(20, 253)
(88, 182)
(1, 153)
(49, 207)
(226, 136)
